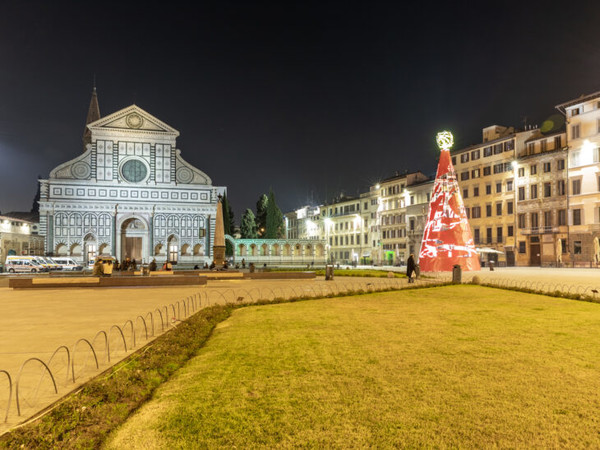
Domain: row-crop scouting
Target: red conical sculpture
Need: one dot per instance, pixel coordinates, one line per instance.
(447, 239)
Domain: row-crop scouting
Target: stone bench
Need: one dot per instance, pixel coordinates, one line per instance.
(52, 283)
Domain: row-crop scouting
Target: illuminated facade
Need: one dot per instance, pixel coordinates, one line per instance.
(129, 194)
(486, 176)
(19, 236)
(304, 223)
(583, 168)
(403, 202)
(540, 190)
(344, 226)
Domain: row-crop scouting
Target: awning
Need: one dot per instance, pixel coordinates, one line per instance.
(488, 250)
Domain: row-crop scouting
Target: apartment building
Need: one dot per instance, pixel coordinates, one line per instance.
(419, 196)
(583, 168)
(394, 196)
(19, 236)
(541, 198)
(304, 223)
(486, 176)
(344, 230)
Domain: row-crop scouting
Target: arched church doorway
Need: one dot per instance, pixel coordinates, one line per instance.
(133, 239)
(91, 247)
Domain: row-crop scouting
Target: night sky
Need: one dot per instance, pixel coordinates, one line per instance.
(307, 98)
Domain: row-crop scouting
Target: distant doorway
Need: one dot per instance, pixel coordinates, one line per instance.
(133, 236)
(534, 255)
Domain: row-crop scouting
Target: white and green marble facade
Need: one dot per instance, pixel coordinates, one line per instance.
(130, 185)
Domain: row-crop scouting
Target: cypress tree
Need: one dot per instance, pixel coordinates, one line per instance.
(275, 228)
(261, 215)
(248, 225)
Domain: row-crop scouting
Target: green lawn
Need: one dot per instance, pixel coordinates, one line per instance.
(457, 366)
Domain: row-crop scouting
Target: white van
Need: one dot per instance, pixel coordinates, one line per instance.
(67, 263)
(47, 261)
(22, 264)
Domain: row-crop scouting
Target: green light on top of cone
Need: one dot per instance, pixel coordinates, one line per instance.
(445, 140)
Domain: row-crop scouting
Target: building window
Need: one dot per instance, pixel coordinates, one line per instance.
(575, 131)
(521, 221)
(412, 199)
(560, 187)
(488, 210)
(476, 235)
(498, 149)
(488, 189)
(509, 207)
(547, 167)
(487, 171)
(464, 158)
(468, 212)
(557, 142)
(577, 217)
(465, 193)
(475, 191)
(475, 154)
(576, 185)
(531, 148)
(499, 234)
(522, 247)
(498, 188)
(476, 212)
(533, 191)
(547, 189)
(562, 217)
(543, 146)
(574, 112)
(534, 220)
(464, 176)
(560, 164)
(487, 151)
(547, 218)
(454, 160)
(498, 168)
(509, 186)
(499, 209)
(533, 169)
(509, 231)
(509, 145)
(488, 232)
(521, 171)
(475, 173)
(577, 247)
(521, 193)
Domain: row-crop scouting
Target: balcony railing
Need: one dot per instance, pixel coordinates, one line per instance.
(541, 230)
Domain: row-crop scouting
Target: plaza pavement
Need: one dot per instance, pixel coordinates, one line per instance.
(34, 323)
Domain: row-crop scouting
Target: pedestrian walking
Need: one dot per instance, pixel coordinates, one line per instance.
(410, 268)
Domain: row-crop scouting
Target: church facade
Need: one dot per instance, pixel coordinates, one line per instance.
(130, 194)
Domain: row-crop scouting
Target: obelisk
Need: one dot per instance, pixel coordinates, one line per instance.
(219, 242)
(447, 238)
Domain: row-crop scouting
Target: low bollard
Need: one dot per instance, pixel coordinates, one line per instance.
(456, 274)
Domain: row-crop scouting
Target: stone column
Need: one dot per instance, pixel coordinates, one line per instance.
(219, 243)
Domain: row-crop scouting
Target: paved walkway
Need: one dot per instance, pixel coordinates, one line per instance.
(35, 323)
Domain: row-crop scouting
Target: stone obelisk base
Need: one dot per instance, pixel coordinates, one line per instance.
(219, 255)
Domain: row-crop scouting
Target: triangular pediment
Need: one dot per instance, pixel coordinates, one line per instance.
(133, 118)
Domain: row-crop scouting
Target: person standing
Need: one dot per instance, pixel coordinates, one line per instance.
(410, 268)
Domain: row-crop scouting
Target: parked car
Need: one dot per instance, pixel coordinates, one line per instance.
(68, 263)
(24, 264)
